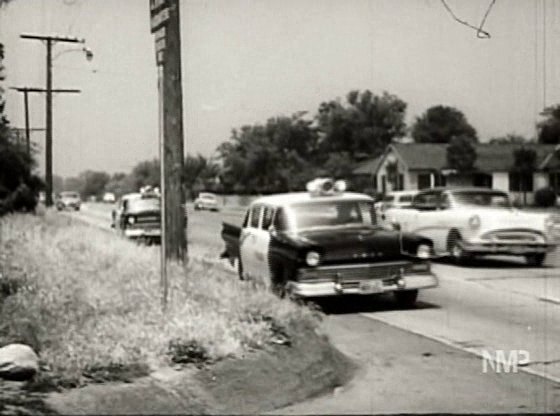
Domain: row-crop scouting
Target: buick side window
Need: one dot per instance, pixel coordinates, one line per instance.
(280, 222)
(268, 213)
(255, 212)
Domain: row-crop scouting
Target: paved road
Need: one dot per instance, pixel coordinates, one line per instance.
(493, 304)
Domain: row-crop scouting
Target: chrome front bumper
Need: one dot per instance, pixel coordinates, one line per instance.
(507, 248)
(362, 287)
(139, 233)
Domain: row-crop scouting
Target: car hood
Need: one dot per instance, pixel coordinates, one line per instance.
(353, 243)
(499, 218)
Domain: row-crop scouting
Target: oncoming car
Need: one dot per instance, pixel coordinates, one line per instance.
(206, 200)
(394, 199)
(466, 222)
(325, 242)
(68, 199)
(138, 216)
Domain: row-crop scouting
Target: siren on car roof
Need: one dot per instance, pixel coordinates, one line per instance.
(325, 186)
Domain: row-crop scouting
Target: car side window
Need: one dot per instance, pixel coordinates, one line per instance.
(255, 214)
(268, 214)
(426, 201)
(246, 219)
(280, 220)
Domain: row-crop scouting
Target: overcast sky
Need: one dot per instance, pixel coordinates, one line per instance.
(247, 60)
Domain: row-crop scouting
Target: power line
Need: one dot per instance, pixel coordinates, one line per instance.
(480, 33)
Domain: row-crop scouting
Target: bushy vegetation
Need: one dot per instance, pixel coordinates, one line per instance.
(91, 303)
(545, 197)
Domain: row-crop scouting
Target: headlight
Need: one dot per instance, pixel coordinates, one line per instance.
(131, 220)
(424, 251)
(312, 258)
(474, 221)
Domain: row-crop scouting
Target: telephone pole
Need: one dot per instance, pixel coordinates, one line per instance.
(49, 42)
(26, 91)
(165, 24)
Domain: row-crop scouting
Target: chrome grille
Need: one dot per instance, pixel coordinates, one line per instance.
(356, 272)
(526, 236)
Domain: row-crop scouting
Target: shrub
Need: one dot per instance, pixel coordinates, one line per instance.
(545, 197)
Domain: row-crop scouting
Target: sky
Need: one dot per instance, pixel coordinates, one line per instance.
(245, 61)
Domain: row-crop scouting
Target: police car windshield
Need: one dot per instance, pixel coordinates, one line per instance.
(319, 214)
(144, 204)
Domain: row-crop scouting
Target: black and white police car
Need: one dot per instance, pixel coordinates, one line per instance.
(326, 242)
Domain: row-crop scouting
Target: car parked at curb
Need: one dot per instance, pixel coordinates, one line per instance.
(68, 200)
(206, 200)
(325, 242)
(138, 216)
(467, 222)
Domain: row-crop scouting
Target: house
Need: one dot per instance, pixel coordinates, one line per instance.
(411, 166)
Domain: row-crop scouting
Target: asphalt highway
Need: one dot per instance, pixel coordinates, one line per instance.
(435, 358)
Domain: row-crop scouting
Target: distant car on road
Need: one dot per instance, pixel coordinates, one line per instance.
(68, 200)
(109, 197)
(138, 216)
(206, 200)
(394, 199)
(466, 222)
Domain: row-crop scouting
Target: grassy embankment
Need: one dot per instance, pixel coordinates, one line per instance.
(90, 303)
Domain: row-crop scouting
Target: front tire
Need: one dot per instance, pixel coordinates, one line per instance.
(455, 248)
(406, 298)
(535, 260)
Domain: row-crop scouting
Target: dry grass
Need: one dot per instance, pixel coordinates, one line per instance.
(94, 301)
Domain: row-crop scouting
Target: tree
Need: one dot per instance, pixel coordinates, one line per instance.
(439, 124)
(146, 173)
(525, 161)
(93, 183)
(273, 157)
(19, 187)
(363, 126)
(549, 128)
(461, 154)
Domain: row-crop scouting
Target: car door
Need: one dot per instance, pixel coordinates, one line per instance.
(262, 243)
(248, 241)
(426, 218)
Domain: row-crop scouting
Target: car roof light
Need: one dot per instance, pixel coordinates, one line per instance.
(325, 186)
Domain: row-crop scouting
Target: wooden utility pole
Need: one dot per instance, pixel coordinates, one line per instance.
(165, 24)
(49, 42)
(26, 91)
(173, 138)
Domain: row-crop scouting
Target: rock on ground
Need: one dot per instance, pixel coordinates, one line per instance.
(18, 362)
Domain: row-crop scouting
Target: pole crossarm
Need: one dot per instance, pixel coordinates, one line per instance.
(52, 38)
(33, 89)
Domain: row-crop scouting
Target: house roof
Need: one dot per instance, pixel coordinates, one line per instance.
(368, 167)
(490, 157)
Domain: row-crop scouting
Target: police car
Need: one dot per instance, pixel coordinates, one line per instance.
(325, 242)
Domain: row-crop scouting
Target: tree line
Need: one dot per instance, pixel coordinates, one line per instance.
(285, 152)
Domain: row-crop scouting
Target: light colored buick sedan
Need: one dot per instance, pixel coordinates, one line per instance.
(466, 222)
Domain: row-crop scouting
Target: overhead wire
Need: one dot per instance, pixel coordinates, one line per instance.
(480, 32)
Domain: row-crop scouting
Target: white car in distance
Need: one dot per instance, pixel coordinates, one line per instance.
(206, 200)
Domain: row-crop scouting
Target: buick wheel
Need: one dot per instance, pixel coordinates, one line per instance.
(536, 259)
(455, 248)
(406, 298)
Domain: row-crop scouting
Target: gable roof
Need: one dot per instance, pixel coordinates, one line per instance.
(368, 167)
(490, 157)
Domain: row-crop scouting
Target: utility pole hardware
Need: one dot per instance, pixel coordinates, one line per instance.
(49, 42)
